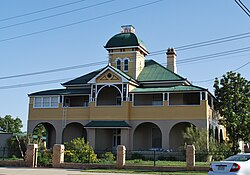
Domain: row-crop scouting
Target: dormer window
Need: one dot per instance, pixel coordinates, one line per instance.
(118, 64)
(126, 65)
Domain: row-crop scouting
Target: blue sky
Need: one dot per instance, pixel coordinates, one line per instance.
(163, 24)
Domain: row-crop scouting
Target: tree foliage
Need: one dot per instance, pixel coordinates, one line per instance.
(17, 145)
(233, 94)
(39, 134)
(197, 137)
(12, 125)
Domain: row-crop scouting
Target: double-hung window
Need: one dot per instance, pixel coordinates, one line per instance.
(118, 64)
(125, 65)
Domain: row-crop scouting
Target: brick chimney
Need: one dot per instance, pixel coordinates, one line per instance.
(171, 60)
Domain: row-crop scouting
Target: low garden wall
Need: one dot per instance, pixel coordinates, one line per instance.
(12, 163)
(58, 161)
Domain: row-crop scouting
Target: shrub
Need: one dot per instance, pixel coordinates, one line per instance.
(107, 157)
(79, 152)
(44, 157)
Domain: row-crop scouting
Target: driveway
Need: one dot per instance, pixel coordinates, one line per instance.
(47, 171)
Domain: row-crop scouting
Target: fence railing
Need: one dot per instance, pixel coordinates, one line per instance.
(138, 157)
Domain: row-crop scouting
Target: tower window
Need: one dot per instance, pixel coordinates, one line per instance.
(126, 65)
(118, 64)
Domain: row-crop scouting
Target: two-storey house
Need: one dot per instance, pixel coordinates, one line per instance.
(132, 101)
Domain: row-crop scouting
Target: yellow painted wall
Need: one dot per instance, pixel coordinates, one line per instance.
(169, 112)
(44, 113)
(109, 112)
(57, 113)
(77, 113)
(136, 64)
(131, 87)
(139, 64)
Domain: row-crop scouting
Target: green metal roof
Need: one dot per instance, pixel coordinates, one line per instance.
(107, 124)
(61, 92)
(153, 71)
(168, 89)
(124, 40)
(82, 79)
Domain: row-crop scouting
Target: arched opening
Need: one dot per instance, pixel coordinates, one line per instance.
(147, 135)
(45, 133)
(74, 130)
(176, 139)
(109, 96)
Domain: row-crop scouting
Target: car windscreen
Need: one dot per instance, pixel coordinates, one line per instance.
(238, 158)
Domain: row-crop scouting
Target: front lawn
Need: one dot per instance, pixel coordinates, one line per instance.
(163, 163)
(144, 172)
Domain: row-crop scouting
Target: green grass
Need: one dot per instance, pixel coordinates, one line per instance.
(144, 172)
(163, 163)
(137, 162)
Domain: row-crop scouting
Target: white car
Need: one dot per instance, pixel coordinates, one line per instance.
(235, 165)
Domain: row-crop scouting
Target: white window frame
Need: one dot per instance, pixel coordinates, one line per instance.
(124, 65)
(50, 103)
(116, 61)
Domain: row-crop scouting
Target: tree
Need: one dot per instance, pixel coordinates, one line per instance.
(233, 94)
(198, 138)
(40, 133)
(9, 124)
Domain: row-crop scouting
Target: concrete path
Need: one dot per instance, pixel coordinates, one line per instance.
(47, 171)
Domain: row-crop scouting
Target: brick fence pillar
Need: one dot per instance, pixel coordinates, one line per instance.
(190, 157)
(58, 155)
(121, 155)
(31, 155)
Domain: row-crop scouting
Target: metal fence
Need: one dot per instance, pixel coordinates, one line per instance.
(155, 155)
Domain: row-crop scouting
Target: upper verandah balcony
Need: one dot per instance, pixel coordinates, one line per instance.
(111, 96)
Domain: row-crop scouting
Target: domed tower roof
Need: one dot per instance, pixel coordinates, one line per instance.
(127, 38)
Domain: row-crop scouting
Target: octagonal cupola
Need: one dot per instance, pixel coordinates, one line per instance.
(126, 51)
